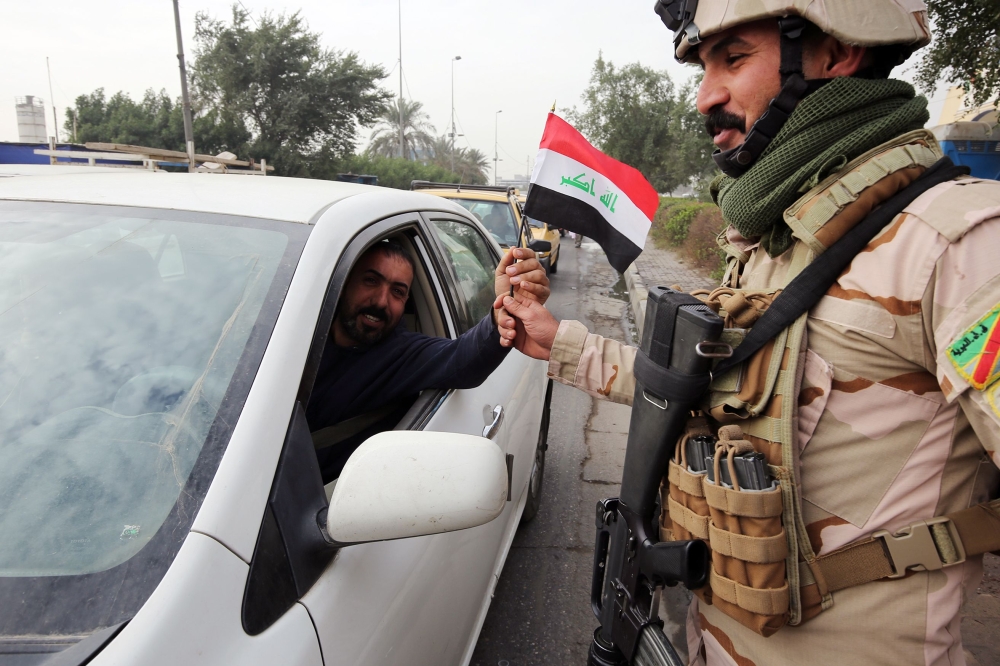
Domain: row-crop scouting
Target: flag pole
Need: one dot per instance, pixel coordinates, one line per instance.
(520, 230)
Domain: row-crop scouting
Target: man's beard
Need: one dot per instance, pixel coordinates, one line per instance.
(719, 119)
(360, 335)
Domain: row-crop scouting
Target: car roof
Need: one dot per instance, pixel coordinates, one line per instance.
(8, 170)
(271, 197)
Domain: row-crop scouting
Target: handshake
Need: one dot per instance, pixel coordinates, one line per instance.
(522, 320)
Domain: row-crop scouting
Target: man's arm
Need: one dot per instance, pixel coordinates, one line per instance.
(600, 366)
(439, 363)
(431, 363)
(962, 302)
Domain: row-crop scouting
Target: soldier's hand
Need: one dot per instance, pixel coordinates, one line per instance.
(526, 325)
(527, 276)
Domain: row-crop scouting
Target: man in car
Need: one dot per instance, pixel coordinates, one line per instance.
(372, 368)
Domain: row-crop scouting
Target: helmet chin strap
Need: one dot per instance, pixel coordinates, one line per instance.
(794, 88)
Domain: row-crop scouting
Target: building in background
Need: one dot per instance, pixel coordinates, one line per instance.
(957, 108)
(518, 181)
(31, 120)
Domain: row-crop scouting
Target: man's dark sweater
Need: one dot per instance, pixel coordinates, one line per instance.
(356, 380)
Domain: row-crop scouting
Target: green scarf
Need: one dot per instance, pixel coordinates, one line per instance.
(842, 120)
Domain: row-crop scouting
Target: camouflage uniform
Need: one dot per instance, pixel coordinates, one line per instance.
(898, 407)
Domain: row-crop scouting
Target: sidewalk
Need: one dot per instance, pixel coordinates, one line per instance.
(656, 267)
(981, 611)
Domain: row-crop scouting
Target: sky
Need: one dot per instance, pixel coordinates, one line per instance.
(518, 56)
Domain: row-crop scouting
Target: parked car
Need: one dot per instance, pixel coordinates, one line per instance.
(160, 497)
(498, 208)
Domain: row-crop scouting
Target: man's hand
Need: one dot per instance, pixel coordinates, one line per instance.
(529, 327)
(528, 277)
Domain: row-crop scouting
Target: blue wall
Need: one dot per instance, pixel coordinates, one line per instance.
(24, 153)
(983, 157)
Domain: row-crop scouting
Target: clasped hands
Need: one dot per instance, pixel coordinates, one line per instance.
(522, 320)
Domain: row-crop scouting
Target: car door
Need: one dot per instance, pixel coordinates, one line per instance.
(419, 600)
(515, 390)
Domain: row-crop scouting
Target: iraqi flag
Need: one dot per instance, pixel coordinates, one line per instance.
(579, 188)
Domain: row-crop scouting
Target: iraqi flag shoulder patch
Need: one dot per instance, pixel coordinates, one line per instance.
(976, 352)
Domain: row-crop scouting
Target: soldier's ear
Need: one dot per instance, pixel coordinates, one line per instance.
(828, 58)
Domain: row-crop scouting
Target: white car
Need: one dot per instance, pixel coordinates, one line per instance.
(160, 499)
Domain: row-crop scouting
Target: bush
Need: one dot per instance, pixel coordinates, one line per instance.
(691, 227)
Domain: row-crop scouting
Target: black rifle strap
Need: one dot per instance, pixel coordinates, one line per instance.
(815, 280)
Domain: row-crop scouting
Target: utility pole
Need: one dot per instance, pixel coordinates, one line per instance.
(401, 153)
(453, 112)
(188, 130)
(55, 117)
(496, 143)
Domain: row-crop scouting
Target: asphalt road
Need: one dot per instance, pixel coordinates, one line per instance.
(540, 613)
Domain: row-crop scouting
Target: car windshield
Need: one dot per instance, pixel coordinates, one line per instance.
(119, 338)
(496, 216)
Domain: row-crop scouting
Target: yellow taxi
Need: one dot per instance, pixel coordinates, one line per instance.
(499, 209)
(542, 231)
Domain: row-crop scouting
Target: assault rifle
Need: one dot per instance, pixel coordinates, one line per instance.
(672, 371)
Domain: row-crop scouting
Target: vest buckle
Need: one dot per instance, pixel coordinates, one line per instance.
(927, 544)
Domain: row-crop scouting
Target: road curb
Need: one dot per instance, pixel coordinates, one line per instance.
(637, 294)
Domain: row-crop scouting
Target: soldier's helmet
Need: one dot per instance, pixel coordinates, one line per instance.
(858, 22)
(893, 28)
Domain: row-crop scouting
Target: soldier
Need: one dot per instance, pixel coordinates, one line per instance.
(880, 408)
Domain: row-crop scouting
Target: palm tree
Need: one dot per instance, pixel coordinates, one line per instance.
(417, 131)
(470, 164)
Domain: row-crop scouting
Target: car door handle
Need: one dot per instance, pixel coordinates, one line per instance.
(490, 431)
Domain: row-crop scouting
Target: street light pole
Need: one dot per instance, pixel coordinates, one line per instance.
(453, 112)
(188, 131)
(496, 155)
(402, 154)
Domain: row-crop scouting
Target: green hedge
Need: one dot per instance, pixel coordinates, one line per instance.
(691, 227)
(396, 172)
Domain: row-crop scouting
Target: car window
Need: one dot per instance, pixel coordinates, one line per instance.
(119, 337)
(496, 216)
(474, 265)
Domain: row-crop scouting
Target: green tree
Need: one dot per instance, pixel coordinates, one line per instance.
(294, 97)
(634, 114)
(417, 131)
(155, 121)
(966, 47)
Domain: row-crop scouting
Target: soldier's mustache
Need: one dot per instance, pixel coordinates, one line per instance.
(719, 119)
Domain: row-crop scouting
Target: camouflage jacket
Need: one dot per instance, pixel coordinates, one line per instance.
(898, 415)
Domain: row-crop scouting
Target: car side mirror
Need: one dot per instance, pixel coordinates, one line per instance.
(401, 484)
(539, 245)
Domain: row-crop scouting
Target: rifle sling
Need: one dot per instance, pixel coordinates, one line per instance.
(803, 292)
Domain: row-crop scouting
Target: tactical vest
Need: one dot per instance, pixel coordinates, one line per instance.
(764, 571)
